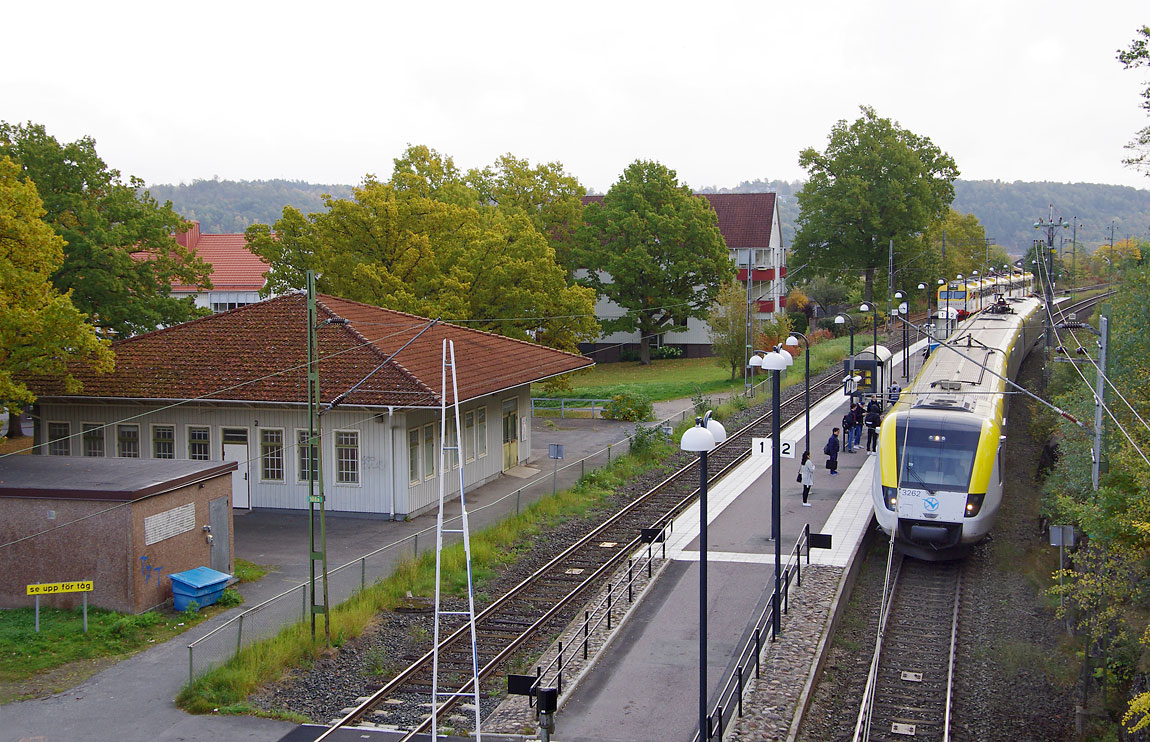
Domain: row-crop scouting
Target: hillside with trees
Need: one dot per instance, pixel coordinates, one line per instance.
(231, 206)
(1007, 210)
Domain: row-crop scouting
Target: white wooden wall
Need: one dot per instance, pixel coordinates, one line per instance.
(384, 485)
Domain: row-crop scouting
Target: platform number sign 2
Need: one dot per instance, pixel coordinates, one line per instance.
(762, 447)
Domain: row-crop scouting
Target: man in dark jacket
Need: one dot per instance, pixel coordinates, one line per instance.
(874, 404)
(859, 420)
(831, 449)
(873, 420)
(848, 426)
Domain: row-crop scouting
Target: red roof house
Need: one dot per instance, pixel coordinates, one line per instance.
(751, 227)
(237, 276)
(233, 386)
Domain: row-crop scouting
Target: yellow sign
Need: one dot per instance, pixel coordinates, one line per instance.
(51, 588)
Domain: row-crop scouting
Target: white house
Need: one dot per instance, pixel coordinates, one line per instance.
(752, 228)
(233, 387)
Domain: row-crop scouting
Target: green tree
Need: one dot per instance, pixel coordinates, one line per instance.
(654, 249)
(546, 194)
(120, 260)
(1138, 55)
(727, 321)
(874, 183)
(40, 330)
(399, 246)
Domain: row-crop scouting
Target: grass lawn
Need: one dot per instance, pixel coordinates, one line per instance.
(250, 571)
(61, 655)
(681, 378)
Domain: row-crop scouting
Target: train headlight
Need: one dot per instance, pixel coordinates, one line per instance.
(974, 503)
(890, 498)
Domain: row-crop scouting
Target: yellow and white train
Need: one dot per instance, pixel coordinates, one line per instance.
(939, 476)
(971, 294)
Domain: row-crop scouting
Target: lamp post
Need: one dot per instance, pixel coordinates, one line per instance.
(776, 361)
(703, 438)
(845, 319)
(873, 308)
(904, 308)
(793, 341)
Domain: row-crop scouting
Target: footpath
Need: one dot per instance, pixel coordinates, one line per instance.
(132, 701)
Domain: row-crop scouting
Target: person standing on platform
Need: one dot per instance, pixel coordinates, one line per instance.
(848, 426)
(856, 431)
(832, 452)
(806, 476)
(873, 420)
(873, 404)
(894, 393)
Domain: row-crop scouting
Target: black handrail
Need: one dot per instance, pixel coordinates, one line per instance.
(729, 704)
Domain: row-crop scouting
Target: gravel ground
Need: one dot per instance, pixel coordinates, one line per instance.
(1015, 677)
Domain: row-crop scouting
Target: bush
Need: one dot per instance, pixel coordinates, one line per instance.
(626, 406)
(701, 403)
(230, 598)
(629, 354)
(667, 351)
(645, 439)
(819, 335)
(799, 322)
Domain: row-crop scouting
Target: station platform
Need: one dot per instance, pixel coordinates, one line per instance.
(644, 685)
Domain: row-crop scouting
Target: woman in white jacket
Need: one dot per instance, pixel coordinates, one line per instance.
(807, 476)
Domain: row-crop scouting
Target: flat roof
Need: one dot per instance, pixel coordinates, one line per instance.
(90, 478)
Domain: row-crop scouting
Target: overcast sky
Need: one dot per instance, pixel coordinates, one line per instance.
(722, 92)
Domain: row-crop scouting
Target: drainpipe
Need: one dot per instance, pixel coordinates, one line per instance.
(392, 456)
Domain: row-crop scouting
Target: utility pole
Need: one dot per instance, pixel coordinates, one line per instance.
(1074, 258)
(890, 279)
(1048, 290)
(318, 556)
(749, 339)
(1110, 257)
(1099, 397)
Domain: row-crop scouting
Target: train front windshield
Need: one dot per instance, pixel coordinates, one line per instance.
(935, 457)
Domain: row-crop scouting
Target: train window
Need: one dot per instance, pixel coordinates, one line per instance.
(935, 458)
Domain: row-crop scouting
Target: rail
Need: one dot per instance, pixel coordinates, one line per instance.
(726, 456)
(910, 685)
(265, 618)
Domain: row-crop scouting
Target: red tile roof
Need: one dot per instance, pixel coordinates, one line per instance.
(234, 267)
(258, 353)
(745, 219)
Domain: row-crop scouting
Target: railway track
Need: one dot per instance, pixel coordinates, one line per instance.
(522, 621)
(910, 686)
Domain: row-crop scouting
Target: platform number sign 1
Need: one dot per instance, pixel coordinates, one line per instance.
(762, 447)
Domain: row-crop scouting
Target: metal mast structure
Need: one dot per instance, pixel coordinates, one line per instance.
(452, 462)
(317, 557)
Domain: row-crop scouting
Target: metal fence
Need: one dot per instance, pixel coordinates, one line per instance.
(576, 407)
(267, 618)
(729, 705)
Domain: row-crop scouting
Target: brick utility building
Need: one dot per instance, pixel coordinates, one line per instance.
(233, 387)
(752, 228)
(125, 525)
(238, 275)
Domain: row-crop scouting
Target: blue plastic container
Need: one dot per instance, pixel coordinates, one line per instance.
(203, 585)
